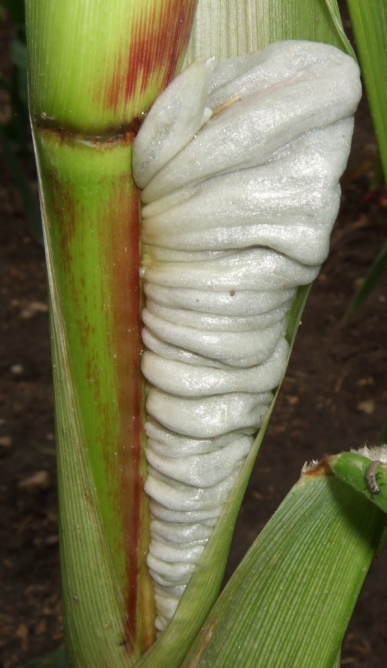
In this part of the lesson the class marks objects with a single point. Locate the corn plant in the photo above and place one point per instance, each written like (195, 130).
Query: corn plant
(94, 72)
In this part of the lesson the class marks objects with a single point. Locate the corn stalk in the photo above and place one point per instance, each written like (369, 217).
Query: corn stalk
(93, 72)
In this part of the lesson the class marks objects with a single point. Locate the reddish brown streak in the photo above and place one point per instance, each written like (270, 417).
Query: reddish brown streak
(157, 41)
(64, 209)
(123, 259)
(119, 243)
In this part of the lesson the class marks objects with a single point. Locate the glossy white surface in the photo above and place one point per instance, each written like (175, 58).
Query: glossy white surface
(238, 209)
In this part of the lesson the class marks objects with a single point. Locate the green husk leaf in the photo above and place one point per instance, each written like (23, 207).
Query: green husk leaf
(290, 600)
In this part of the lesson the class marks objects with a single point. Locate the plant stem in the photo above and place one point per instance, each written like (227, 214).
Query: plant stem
(94, 70)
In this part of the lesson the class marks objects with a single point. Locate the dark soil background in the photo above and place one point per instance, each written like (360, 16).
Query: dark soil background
(334, 398)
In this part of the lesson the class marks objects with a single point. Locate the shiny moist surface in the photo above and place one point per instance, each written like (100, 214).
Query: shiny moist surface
(239, 166)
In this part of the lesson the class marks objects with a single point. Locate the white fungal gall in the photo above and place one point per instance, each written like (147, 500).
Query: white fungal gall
(376, 452)
(186, 380)
(229, 302)
(176, 116)
(313, 88)
(238, 209)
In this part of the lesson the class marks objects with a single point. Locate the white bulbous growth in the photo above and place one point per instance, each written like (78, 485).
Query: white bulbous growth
(239, 166)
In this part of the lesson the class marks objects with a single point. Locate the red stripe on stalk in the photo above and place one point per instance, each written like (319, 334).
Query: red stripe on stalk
(157, 42)
(97, 273)
(123, 256)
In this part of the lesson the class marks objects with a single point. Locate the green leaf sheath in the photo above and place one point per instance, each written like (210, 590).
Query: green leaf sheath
(290, 600)
(247, 27)
(94, 69)
(93, 253)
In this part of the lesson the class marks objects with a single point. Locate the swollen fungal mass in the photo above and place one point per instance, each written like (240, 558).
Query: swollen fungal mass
(238, 164)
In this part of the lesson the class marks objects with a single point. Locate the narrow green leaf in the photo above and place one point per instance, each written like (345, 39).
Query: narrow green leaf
(370, 282)
(296, 312)
(290, 600)
(369, 24)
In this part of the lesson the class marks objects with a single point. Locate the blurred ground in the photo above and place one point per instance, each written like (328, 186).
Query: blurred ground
(334, 397)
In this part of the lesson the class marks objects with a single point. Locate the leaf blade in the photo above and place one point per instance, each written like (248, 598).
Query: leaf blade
(290, 599)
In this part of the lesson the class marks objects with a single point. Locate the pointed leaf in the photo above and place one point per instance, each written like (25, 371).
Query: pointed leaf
(289, 601)
(369, 24)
